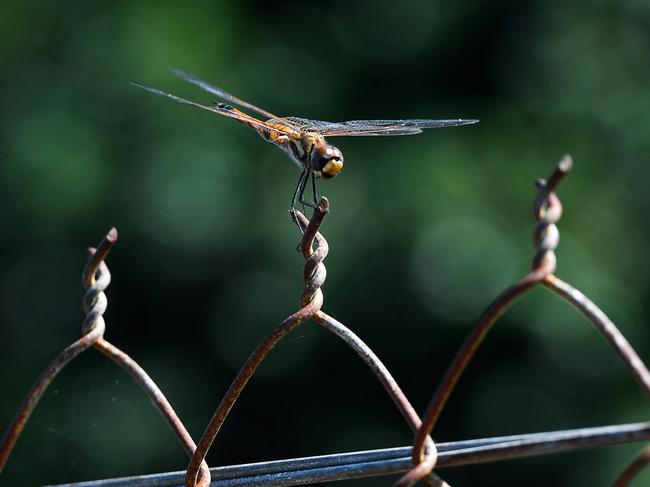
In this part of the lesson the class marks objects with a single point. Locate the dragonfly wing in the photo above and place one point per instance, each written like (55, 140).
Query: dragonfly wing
(215, 90)
(220, 109)
(374, 127)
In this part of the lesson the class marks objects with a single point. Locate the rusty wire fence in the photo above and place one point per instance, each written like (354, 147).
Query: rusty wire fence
(416, 462)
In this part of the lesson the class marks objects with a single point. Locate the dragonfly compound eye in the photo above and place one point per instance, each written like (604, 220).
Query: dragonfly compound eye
(328, 160)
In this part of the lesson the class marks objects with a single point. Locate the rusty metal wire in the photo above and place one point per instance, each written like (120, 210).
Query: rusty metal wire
(547, 211)
(544, 263)
(389, 383)
(418, 461)
(311, 301)
(606, 327)
(314, 275)
(390, 461)
(633, 469)
(96, 277)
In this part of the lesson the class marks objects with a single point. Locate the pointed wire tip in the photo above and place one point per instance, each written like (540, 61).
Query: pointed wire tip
(566, 163)
(111, 236)
(324, 203)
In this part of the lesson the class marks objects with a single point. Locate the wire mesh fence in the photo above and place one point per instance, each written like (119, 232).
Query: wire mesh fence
(416, 462)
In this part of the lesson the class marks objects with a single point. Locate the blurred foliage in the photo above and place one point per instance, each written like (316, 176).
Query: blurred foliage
(424, 231)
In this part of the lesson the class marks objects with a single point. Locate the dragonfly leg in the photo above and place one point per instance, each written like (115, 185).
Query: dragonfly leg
(313, 188)
(297, 191)
(298, 194)
(301, 193)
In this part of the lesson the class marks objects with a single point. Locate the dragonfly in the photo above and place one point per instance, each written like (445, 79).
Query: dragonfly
(301, 138)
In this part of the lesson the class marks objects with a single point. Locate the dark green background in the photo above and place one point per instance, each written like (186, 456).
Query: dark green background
(424, 231)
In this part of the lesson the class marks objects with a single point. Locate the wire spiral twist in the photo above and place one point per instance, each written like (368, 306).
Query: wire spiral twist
(314, 273)
(547, 210)
(96, 277)
(95, 301)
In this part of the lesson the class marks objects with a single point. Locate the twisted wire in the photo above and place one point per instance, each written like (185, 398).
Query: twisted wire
(95, 301)
(314, 272)
(311, 301)
(94, 277)
(547, 210)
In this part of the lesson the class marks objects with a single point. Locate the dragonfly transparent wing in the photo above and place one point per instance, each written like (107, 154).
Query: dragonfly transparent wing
(374, 127)
(215, 90)
(221, 109)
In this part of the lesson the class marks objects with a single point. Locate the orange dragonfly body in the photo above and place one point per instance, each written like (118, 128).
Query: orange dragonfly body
(303, 139)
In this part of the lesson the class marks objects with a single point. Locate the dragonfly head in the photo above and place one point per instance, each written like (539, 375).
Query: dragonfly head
(327, 160)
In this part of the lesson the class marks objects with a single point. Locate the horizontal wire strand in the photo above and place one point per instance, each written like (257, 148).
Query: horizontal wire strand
(372, 463)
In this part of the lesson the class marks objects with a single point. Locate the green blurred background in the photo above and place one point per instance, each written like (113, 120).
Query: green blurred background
(424, 231)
